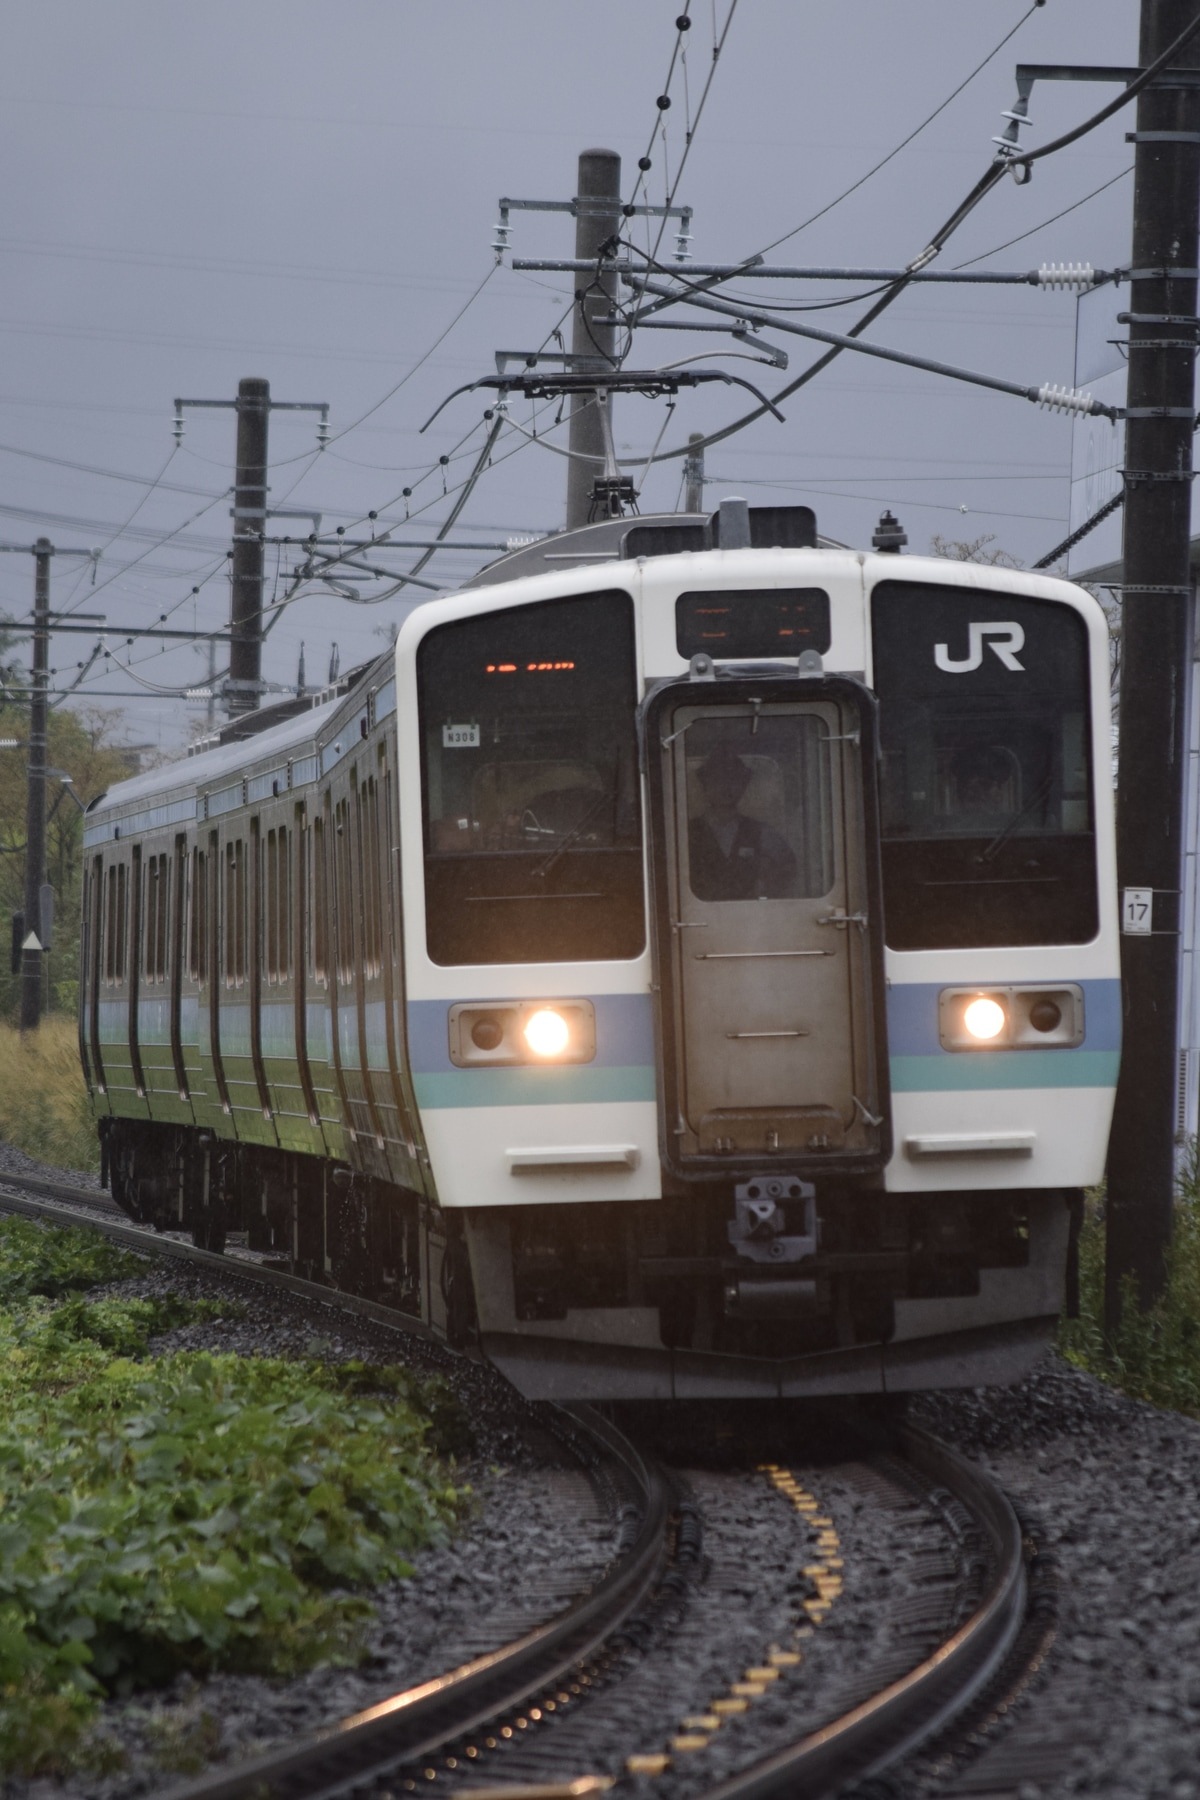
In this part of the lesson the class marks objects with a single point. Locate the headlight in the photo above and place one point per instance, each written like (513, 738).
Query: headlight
(505, 1033)
(984, 1018)
(547, 1032)
(1042, 1016)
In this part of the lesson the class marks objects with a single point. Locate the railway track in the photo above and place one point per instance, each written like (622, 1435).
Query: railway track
(461, 1729)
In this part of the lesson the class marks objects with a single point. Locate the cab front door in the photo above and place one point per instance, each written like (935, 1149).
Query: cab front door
(769, 933)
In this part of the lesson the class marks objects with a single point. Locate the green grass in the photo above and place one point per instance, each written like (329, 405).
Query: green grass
(43, 1099)
(181, 1512)
(1155, 1355)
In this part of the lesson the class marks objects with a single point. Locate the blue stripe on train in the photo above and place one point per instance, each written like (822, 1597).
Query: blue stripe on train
(624, 1034)
(919, 1064)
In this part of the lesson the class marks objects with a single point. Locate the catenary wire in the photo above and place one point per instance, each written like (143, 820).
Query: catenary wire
(1052, 220)
(906, 141)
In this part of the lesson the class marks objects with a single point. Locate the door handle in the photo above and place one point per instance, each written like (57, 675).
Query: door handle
(842, 919)
(767, 1034)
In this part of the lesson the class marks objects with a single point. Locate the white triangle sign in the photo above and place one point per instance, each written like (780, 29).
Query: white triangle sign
(31, 942)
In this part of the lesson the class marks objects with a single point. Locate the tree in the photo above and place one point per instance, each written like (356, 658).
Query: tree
(975, 550)
(85, 745)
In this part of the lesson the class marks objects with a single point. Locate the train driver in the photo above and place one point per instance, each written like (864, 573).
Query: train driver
(733, 856)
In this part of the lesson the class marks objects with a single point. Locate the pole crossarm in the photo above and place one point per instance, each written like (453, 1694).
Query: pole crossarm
(1048, 276)
(650, 383)
(1047, 395)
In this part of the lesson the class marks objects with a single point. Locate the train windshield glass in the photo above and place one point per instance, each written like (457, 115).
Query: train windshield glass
(533, 839)
(987, 805)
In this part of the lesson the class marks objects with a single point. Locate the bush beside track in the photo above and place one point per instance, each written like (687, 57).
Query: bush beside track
(1155, 1355)
(188, 1511)
(44, 1107)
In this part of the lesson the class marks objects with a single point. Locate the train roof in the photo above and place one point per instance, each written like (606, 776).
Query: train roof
(672, 540)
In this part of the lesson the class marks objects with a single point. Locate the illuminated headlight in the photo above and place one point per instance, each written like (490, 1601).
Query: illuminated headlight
(499, 1033)
(1040, 1016)
(984, 1018)
(547, 1032)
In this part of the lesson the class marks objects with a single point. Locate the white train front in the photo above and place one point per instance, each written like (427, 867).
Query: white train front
(689, 971)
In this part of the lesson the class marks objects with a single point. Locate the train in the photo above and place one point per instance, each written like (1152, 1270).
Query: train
(685, 965)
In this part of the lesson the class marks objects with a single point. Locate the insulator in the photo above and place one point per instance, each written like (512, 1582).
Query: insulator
(1078, 276)
(1063, 399)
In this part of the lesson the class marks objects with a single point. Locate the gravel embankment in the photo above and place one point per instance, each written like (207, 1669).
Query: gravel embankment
(1115, 1486)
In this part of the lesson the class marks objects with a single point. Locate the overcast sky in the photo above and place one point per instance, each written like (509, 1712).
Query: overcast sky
(307, 192)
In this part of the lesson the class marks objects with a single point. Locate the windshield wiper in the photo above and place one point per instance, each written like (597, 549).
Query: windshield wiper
(1035, 799)
(581, 824)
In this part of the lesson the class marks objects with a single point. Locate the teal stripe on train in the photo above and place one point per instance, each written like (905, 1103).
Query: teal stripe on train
(995, 1069)
(572, 1086)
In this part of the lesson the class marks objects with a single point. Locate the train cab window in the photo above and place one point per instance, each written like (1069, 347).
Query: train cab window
(985, 726)
(529, 762)
(760, 811)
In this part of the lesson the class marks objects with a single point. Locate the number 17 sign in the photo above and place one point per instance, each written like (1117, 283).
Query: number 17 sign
(1137, 908)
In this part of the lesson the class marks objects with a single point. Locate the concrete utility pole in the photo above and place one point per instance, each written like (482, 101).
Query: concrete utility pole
(35, 920)
(693, 474)
(35, 798)
(593, 346)
(1155, 654)
(249, 529)
(253, 407)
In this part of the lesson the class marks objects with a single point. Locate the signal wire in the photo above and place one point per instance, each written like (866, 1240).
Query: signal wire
(906, 141)
(992, 175)
(1052, 220)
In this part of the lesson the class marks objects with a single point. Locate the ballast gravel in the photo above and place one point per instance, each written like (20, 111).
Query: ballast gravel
(1111, 1485)
(1114, 1487)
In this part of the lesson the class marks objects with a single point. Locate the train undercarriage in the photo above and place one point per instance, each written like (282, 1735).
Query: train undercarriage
(775, 1286)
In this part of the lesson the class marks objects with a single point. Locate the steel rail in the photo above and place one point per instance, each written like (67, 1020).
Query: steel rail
(866, 1740)
(419, 1720)
(874, 1736)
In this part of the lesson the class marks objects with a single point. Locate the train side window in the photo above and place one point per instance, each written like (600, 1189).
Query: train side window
(122, 923)
(367, 810)
(283, 896)
(271, 853)
(234, 922)
(985, 729)
(149, 915)
(110, 927)
(198, 918)
(320, 908)
(344, 893)
(155, 928)
(278, 905)
(533, 832)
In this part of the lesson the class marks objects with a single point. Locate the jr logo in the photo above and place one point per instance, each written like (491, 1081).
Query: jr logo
(1009, 638)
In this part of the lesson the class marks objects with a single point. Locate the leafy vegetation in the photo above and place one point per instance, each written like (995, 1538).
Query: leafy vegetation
(83, 743)
(1155, 1355)
(43, 1100)
(188, 1511)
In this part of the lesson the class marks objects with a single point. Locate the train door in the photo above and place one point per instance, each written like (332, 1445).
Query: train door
(769, 927)
(177, 954)
(157, 1045)
(92, 946)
